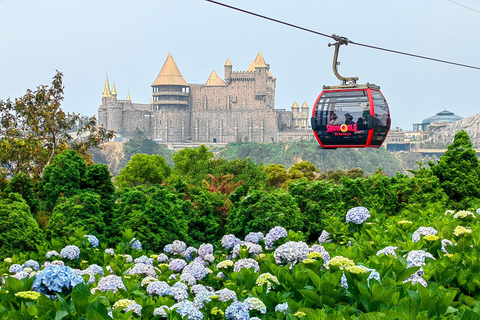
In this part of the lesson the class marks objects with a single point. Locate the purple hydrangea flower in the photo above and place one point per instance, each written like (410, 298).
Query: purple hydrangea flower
(254, 249)
(203, 298)
(144, 259)
(162, 258)
(159, 288)
(320, 249)
(177, 265)
(444, 245)
(197, 288)
(110, 283)
(188, 278)
(246, 264)
(161, 311)
(254, 237)
(178, 247)
(142, 268)
(196, 269)
(324, 237)
(273, 235)
(281, 307)
(204, 249)
(229, 241)
(226, 295)
(357, 215)
(95, 269)
(416, 258)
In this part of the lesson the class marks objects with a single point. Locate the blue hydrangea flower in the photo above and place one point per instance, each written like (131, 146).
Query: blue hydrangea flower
(188, 278)
(229, 241)
(93, 240)
(390, 250)
(166, 249)
(110, 251)
(423, 231)
(254, 237)
(187, 308)
(159, 288)
(204, 249)
(273, 235)
(189, 252)
(246, 264)
(255, 304)
(291, 252)
(226, 295)
(136, 244)
(70, 252)
(203, 298)
(142, 269)
(179, 294)
(320, 249)
(237, 311)
(343, 281)
(253, 248)
(56, 279)
(444, 245)
(31, 264)
(197, 288)
(137, 309)
(95, 269)
(324, 237)
(357, 215)
(14, 268)
(21, 275)
(281, 307)
(51, 253)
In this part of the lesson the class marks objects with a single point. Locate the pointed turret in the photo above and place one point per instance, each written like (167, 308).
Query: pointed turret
(106, 90)
(170, 75)
(259, 61)
(128, 96)
(295, 105)
(215, 81)
(228, 63)
(305, 106)
(114, 90)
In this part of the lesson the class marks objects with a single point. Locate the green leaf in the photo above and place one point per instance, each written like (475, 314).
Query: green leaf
(80, 296)
(61, 314)
(312, 296)
(409, 308)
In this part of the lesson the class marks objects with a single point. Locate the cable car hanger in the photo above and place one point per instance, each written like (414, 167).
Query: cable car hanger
(340, 41)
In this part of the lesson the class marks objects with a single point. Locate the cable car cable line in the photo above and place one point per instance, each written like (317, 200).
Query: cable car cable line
(336, 37)
(462, 5)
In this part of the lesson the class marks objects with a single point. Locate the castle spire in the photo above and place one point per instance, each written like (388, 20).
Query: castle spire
(106, 90)
(259, 61)
(170, 75)
(215, 81)
(114, 90)
(228, 63)
(128, 95)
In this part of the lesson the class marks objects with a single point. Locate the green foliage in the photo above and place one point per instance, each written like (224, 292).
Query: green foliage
(157, 215)
(140, 143)
(143, 169)
(25, 186)
(18, 229)
(261, 211)
(34, 129)
(64, 177)
(458, 170)
(79, 211)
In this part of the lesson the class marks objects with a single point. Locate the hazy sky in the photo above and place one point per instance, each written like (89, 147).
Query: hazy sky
(131, 40)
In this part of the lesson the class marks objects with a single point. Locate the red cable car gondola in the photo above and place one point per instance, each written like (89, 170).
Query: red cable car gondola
(351, 115)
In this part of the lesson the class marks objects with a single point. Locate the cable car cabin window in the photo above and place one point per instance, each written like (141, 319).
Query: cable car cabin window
(342, 117)
(382, 118)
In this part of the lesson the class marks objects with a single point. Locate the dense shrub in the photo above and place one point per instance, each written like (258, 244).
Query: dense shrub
(18, 229)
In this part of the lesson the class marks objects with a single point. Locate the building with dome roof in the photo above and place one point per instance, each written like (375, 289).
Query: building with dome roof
(443, 116)
(240, 107)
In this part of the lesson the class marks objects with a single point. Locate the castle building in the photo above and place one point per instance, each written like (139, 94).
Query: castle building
(240, 107)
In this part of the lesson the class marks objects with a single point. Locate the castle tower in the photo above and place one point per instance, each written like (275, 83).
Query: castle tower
(114, 90)
(305, 115)
(295, 115)
(106, 92)
(228, 71)
(171, 100)
(170, 89)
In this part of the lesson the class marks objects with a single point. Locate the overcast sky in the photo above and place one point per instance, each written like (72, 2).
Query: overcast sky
(131, 40)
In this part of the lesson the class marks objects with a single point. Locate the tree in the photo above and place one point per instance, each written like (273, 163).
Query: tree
(33, 129)
(458, 169)
(64, 177)
(81, 210)
(261, 211)
(19, 232)
(157, 215)
(192, 165)
(25, 186)
(143, 169)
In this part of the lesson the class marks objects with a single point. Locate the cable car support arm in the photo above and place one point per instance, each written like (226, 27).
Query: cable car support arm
(339, 41)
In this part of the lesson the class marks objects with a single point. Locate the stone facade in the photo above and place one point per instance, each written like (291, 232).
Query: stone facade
(239, 108)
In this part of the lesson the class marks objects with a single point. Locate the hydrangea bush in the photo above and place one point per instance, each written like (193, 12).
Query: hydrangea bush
(380, 266)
